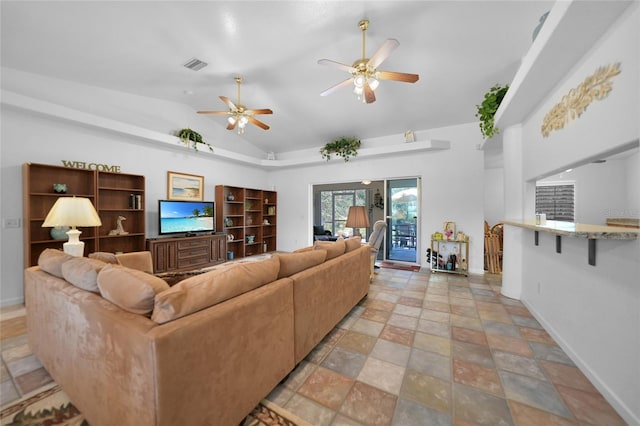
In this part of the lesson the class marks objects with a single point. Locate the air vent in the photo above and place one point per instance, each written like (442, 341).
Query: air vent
(195, 64)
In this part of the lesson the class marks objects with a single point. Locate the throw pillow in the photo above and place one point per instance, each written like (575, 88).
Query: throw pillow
(134, 291)
(105, 256)
(292, 263)
(352, 243)
(82, 272)
(51, 261)
(205, 290)
(334, 249)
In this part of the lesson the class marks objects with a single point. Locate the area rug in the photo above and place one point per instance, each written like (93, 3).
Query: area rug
(400, 266)
(52, 406)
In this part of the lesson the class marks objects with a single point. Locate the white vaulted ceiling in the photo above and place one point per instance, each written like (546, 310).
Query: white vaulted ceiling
(459, 49)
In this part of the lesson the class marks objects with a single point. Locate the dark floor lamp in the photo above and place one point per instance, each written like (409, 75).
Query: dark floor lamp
(357, 218)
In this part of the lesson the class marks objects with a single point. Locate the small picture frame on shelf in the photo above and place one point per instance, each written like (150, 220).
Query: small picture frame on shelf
(182, 186)
(449, 230)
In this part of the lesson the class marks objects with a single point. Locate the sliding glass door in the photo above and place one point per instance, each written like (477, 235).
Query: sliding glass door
(403, 204)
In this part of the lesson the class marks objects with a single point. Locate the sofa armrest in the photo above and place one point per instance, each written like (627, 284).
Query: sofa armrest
(140, 260)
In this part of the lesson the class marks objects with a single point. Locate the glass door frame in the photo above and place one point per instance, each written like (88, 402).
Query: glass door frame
(402, 243)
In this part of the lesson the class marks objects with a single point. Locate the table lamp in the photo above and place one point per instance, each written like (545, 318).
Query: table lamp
(72, 211)
(357, 218)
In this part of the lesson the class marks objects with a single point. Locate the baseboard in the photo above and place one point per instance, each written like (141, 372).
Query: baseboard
(11, 302)
(621, 408)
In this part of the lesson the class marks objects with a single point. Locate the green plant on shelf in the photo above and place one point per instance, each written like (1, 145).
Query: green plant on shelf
(343, 147)
(191, 139)
(487, 110)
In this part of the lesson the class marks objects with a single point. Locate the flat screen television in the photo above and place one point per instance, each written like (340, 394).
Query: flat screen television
(186, 217)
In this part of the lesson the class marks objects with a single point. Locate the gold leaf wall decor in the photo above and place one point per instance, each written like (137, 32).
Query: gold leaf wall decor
(595, 87)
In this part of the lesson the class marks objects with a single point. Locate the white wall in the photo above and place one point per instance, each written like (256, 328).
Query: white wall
(494, 195)
(452, 189)
(592, 311)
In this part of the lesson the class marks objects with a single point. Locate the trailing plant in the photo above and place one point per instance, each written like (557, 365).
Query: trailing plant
(191, 138)
(487, 109)
(343, 147)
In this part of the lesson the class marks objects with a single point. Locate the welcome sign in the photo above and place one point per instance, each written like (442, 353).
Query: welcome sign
(91, 166)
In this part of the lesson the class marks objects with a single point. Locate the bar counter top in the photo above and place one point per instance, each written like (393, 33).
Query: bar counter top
(578, 230)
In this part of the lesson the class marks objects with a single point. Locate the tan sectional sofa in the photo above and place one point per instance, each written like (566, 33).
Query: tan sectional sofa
(205, 351)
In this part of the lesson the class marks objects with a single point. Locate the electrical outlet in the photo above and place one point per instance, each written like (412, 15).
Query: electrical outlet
(11, 223)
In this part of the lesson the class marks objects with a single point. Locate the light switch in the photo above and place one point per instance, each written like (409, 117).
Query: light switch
(11, 223)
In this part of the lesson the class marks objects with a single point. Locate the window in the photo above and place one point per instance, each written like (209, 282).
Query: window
(334, 208)
(557, 201)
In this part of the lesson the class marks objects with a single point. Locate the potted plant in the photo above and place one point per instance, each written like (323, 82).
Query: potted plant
(192, 138)
(343, 147)
(487, 109)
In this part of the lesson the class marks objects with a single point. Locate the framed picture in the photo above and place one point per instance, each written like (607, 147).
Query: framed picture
(181, 186)
(449, 229)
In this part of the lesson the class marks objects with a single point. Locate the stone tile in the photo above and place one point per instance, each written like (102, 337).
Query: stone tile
(24, 365)
(376, 315)
(431, 343)
(529, 416)
(13, 327)
(357, 342)
(466, 322)
(299, 374)
(438, 291)
(518, 310)
(398, 335)
(310, 410)
(333, 336)
(319, 353)
(364, 326)
(509, 344)
(518, 364)
(432, 297)
(590, 408)
(280, 395)
(16, 352)
(345, 362)
(341, 420)
(394, 353)
(526, 322)
(4, 373)
(430, 363)
(477, 376)
(381, 305)
(460, 301)
(469, 336)
(32, 380)
(383, 375)
(410, 301)
(410, 413)
(409, 311)
(434, 327)
(436, 306)
(326, 387)
(403, 321)
(498, 316)
(473, 353)
(533, 392)
(488, 306)
(494, 327)
(466, 311)
(481, 290)
(369, 405)
(535, 335)
(550, 353)
(8, 392)
(567, 375)
(480, 408)
(435, 316)
(388, 297)
(427, 390)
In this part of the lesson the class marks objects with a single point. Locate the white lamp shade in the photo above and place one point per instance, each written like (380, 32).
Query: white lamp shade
(72, 211)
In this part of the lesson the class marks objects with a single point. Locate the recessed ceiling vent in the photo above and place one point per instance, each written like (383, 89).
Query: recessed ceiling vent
(195, 64)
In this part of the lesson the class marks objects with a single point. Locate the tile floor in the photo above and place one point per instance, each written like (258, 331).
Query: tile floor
(439, 349)
(421, 349)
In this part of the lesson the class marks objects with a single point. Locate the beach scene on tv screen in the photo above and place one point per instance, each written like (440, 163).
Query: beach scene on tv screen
(183, 217)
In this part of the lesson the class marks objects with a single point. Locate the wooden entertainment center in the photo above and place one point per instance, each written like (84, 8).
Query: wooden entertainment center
(187, 253)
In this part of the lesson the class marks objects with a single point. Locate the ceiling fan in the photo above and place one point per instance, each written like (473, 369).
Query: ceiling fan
(365, 76)
(238, 114)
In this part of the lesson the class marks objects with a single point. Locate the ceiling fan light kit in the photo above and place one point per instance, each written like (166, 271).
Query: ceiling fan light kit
(365, 76)
(238, 115)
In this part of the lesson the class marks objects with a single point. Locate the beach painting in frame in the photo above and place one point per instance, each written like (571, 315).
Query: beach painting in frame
(182, 186)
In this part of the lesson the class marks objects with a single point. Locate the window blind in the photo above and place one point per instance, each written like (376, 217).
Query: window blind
(556, 201)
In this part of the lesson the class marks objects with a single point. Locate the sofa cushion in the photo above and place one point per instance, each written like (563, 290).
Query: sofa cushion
(82, 272)
(104, 256)
(140, 260)
(132, 290)
(205, 290)
(352, 243)
(334, 248)
(292, 263)
(51, 261)
(303, 249)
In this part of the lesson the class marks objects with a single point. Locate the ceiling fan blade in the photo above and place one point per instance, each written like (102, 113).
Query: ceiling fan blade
(232, 126)
(259, 111)
(369, 96)
(383, 52)
(332, 89)
(347, 68)
(258, 123)
(214, 112)
(228, 102)
(397, 76)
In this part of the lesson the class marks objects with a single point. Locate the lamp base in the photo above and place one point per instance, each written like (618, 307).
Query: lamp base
(74, 246)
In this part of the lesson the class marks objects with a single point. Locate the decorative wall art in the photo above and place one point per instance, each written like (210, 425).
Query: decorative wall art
(595, 87)
(181, 186)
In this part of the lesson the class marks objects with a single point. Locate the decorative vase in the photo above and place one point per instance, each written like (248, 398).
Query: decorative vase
(60, 188)
(228, 222)
(59, 232)
(230, 197)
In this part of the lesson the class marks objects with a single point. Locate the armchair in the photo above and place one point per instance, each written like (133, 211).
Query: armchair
(375, 241)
